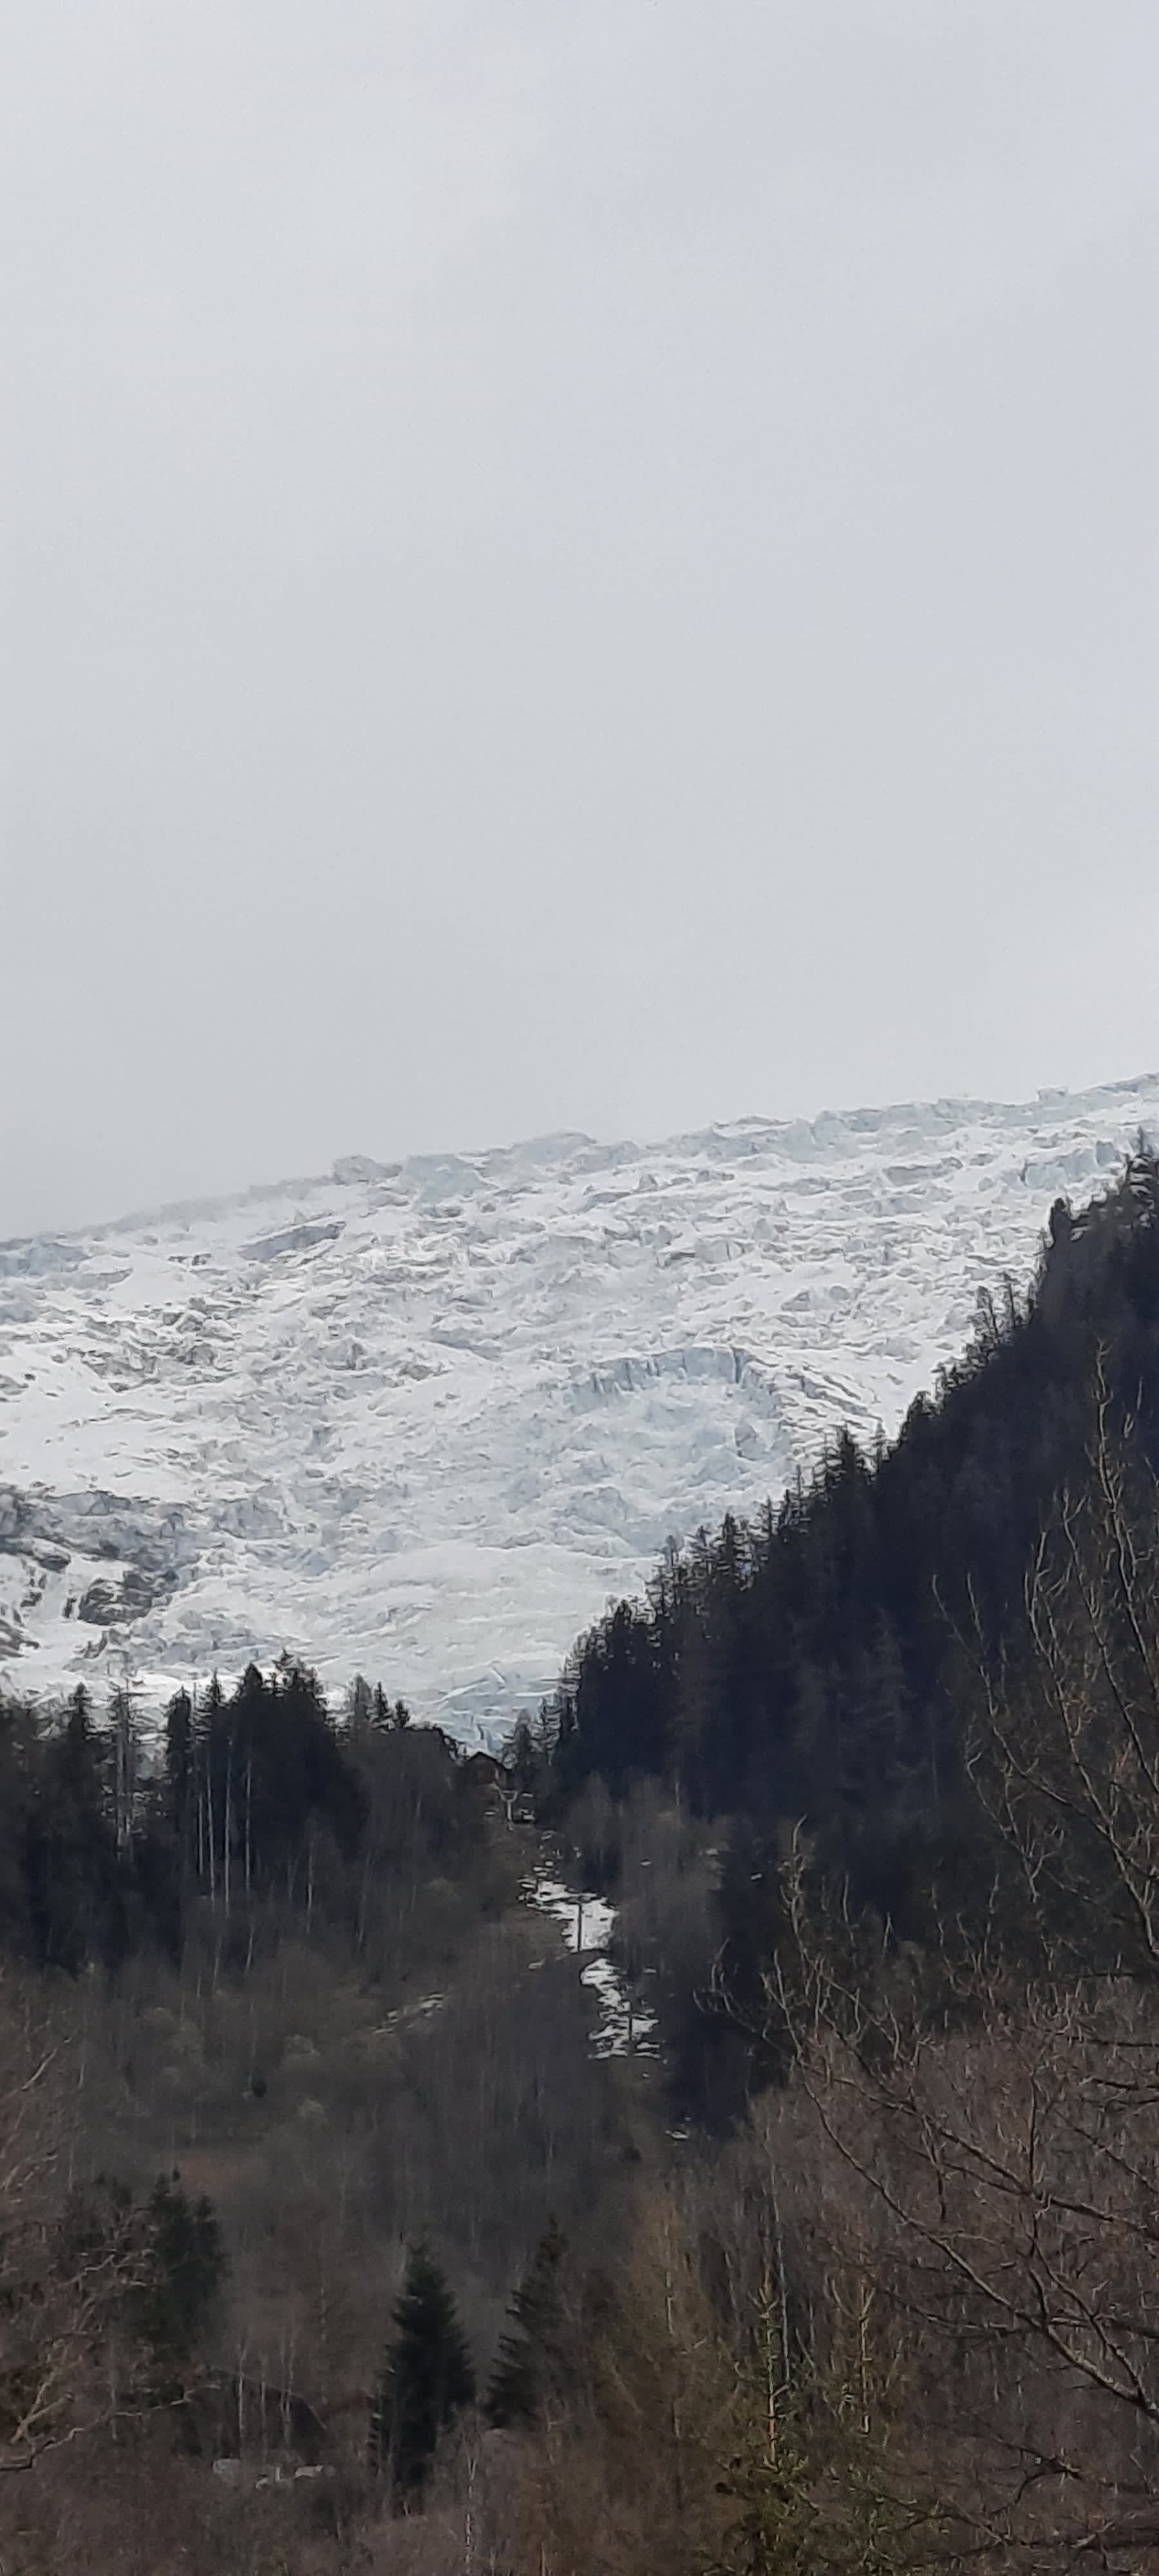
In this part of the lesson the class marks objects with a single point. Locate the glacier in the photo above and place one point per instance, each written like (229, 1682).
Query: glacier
(422, 1420)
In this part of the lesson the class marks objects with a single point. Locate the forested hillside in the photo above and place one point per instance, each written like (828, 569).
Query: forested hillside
(819, 1666)
(329, 2242)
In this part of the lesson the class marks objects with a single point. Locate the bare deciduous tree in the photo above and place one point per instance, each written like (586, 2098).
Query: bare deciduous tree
(65, 2273)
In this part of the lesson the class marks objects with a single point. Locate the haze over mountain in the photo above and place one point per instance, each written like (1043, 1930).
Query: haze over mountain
(422, 1420)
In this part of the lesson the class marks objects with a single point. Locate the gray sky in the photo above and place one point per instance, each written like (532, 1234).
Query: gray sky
(567, 562)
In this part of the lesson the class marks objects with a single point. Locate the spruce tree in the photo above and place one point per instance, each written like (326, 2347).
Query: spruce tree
(180, 1770)
(427, 2378)
(186, 2268)
(75, 1895)
(526, 2350)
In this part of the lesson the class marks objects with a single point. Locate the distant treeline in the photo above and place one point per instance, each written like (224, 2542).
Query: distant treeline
(259, 1797)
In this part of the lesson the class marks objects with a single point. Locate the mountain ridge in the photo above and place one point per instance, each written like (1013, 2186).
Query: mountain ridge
(952, 1107)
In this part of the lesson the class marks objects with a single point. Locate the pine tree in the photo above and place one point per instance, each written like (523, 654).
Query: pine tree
(124, 1757)
(186, 2270)
(427, 2378)
(359, 1703)
(517, 2387)
(179, 1769)
(75, 1896)
(209, 1725)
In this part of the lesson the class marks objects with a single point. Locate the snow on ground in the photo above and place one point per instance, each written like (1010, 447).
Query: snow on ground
(623, 2025)
(423, 1420)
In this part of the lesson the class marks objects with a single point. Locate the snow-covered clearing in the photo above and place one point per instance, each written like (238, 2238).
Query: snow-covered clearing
(624, 2026)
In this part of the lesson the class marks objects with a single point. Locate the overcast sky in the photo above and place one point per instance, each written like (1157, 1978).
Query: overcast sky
(567, 563)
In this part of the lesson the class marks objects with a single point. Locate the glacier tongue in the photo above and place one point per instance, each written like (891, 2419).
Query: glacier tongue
(422, 1419)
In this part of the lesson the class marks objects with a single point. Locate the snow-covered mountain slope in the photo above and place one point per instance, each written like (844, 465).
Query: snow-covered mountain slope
(422, 1420)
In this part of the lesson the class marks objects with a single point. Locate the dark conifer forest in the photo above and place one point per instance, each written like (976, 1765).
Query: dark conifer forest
(802, 1667)
(329, 2238)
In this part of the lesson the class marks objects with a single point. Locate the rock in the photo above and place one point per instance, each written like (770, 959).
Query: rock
(105, 1605)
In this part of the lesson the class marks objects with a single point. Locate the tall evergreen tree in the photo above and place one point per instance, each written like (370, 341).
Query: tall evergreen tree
(427, 2377)
(123, 1761)
(180, 1770)
(528, 2348)
(185, 2272)
(75, 1895)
